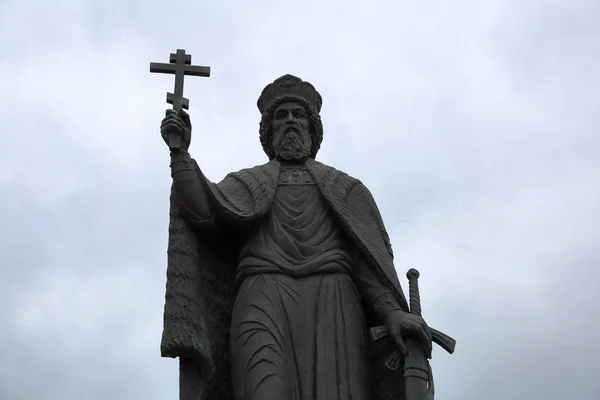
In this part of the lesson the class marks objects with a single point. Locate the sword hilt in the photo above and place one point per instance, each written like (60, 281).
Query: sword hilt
(413, 290)
(444, 341)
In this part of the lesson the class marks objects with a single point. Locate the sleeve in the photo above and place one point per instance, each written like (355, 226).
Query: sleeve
(193, 199)
(377, 296)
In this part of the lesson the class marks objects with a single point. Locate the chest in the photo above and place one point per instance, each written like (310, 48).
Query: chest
(295, 176)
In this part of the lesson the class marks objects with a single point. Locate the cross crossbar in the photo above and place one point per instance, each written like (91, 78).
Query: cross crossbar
(179, 65)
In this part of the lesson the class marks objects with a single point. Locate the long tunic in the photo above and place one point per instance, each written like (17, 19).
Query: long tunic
(298, 327)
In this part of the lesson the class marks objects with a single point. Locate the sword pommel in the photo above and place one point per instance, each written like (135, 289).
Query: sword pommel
(412, 274)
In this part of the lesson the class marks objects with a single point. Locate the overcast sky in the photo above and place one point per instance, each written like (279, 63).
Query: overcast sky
(475, 124)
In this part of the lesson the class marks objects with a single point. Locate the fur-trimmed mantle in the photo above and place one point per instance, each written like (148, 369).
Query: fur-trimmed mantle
(200, 271)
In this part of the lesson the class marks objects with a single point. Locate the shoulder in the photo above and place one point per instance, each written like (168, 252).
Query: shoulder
(269, 168)
(329, 173)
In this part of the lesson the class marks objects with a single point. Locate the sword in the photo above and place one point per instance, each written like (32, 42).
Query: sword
(417, 371)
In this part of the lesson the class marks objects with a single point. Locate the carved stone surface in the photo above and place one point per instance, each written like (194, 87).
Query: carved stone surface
(280, 278)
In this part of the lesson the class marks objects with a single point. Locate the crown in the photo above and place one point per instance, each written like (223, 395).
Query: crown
(289, 85)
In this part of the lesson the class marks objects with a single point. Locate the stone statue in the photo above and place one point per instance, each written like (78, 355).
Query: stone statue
(276, 273)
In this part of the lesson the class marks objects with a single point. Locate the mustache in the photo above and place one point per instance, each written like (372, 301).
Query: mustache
(290, 125)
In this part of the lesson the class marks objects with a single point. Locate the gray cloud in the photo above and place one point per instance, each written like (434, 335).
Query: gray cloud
(476, 125)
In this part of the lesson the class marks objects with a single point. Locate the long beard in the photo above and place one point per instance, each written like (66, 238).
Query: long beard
(292, 145)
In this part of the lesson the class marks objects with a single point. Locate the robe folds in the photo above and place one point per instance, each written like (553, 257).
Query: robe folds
(201, 287)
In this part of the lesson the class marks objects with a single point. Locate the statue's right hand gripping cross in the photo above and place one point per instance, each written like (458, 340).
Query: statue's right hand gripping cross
(180, 65)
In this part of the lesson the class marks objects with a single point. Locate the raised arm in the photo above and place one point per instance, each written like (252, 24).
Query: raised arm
(194, 201)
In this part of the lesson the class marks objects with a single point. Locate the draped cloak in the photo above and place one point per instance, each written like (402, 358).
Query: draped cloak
(201, 266)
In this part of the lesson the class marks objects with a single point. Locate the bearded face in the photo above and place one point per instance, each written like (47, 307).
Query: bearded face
(291, 132)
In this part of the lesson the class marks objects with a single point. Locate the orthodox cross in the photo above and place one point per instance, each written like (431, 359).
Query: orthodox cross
(180, 65)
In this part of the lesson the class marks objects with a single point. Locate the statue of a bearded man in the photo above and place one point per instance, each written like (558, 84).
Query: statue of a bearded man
(276, 273)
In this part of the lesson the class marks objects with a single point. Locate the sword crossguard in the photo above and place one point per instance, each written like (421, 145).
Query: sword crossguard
(441, 339)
